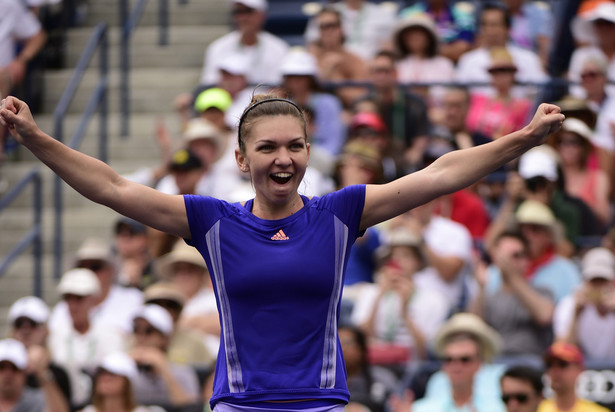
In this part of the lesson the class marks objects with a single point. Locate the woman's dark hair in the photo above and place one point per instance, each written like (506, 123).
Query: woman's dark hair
(432, 47)
(527, 374)
(264, 105)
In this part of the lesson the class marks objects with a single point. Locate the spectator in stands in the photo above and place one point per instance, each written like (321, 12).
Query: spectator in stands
(369, 385)
(28, 319)
(300, 71)
(494, 28)
(396, 310)
(565, 363)
(404, 113)
(454, 24)
(19, 27)
(448, 248)
(79, 345)
(586, 317)
(367, 26)
(522, 389)
(416, 42)
(263, 50)
(159, 381)
(521, 313)
(113, 305)
(131, 247)
(113, 390)
(186, 346)
(368, 128)
(532, 27)
(360, 163)
(466, 382)
(498, 115)
(14, 394)
(598, 26)
(335, 62)
(186, 269)
(590, 184)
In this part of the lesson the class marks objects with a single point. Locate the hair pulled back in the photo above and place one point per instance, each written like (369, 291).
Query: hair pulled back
(266, 105)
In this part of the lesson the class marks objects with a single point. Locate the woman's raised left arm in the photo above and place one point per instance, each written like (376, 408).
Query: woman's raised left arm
(457, 169)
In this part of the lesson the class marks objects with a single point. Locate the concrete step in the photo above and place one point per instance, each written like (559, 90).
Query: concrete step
(186, 46)
(151, 90)
(200, 12)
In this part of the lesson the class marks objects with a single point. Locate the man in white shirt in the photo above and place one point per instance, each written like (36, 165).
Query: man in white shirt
(494, 27)
(263, 50)
(587, 316)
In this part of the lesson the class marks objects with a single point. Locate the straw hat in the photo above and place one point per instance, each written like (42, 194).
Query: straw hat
(181, 253)
(462, 323)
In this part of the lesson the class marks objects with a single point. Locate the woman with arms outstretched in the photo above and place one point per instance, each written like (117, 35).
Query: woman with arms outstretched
(277, 261)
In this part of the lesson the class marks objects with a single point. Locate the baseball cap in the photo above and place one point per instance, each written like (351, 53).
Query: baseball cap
(131, 224)
(260, 5)
(299, 62)
(582, 25)
(94, 249)
(234, 63)
(119, 363)
(564, 351)
(164, 290)
(199, 128)
(13, 351)
(578, 127)
(213, 97)
(538, 162)
(80, 282)
(30, 307)
(184, 160)
(534, 212)
(598, 262)
(156, 316)
(368, 119)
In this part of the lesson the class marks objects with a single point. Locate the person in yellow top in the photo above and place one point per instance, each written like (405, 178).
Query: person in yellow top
(564, 362)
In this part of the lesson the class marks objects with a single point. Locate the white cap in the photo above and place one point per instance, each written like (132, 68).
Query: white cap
(30, 307)
(538, 162)
(80, 282)
(156, 316)
(577, 126)
(582, 26)
(598, 262)
(94, 249)
(14, 351)
(299, 62)
(234, 63)
(260, 5)
(202, 129)
(119, 363)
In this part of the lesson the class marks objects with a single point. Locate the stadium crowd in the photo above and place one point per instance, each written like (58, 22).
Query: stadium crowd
(493, 298)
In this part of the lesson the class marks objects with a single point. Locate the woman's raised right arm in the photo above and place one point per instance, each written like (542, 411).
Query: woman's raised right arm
(95, 179)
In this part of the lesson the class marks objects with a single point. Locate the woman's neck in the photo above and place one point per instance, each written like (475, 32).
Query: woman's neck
(113, 404)
(270, 211)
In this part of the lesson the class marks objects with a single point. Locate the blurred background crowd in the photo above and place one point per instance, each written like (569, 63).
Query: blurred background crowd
(497, 297)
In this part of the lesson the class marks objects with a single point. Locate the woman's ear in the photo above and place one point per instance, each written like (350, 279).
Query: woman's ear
(241, 160)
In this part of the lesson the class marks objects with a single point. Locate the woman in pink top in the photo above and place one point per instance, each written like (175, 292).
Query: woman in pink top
(498, 115)
(590, 184)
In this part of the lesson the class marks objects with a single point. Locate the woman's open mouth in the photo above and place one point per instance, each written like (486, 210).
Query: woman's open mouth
(281, 178)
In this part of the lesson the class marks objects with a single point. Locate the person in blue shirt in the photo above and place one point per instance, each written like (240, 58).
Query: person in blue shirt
(277, 261)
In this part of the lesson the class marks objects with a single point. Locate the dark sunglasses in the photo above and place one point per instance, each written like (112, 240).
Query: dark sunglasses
(243, 11)
(461, 359)
(94, 266)
(149, 330)
(519, 397)
(167, 304)
(328, 26)
(21, 322)
(502, 70)
(557, 363)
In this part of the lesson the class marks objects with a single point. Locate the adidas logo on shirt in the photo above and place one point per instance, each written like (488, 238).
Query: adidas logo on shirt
(280, 236)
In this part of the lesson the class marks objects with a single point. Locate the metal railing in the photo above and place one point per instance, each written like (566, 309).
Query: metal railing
(128, 23)
(97, 42)
(34, 235)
